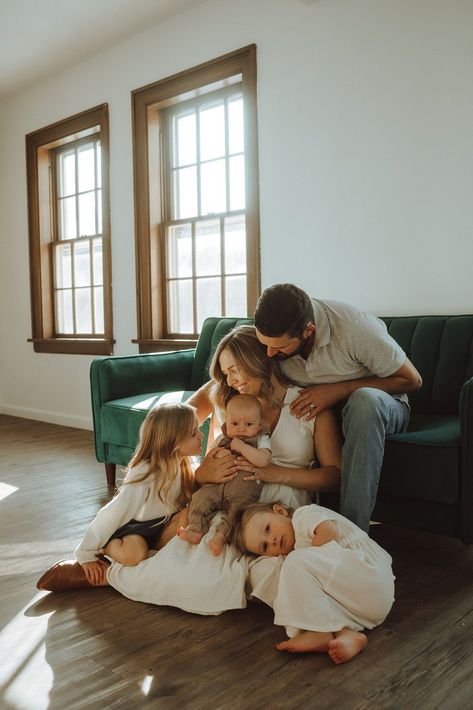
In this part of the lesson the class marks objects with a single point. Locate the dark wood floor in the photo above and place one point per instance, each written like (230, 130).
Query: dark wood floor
(97, 649)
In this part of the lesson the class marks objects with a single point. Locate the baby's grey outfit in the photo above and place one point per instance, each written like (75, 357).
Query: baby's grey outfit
(226, 497)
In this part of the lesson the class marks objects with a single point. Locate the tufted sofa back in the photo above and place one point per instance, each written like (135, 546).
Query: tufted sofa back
(441, 348)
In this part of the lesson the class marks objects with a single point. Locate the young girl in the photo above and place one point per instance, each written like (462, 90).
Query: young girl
(158, 484)
(334, 582)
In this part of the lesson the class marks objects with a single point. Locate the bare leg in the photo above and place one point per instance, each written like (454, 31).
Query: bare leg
(178, 519)
(346, 645)
(217, 543)
(130, 550)
(191, 536)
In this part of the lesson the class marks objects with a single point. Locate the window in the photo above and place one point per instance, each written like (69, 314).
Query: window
(68, 205)
(196, 192)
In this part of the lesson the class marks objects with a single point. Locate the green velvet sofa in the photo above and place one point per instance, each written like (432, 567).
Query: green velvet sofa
(427, 476)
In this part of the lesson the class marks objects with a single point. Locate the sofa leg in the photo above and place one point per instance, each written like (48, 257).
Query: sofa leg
(110, 469)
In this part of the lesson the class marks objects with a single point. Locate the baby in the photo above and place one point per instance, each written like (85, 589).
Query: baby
(242, 434)
(338, 578)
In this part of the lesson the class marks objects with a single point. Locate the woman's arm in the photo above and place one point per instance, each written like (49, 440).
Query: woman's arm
(328, 450)
(202, 402)
(325, 532)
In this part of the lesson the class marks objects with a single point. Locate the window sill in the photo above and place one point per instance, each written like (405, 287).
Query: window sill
(164, 345)
(73, 346)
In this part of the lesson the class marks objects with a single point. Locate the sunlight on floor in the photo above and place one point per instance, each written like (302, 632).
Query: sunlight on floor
(24, 557)
(6, 490)
(146, 684)
(26, 678)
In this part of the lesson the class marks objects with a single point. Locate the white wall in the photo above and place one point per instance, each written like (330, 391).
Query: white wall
(366, 155)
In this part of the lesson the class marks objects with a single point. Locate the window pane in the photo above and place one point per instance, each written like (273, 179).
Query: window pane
(235, 125)
(99, 212)
(235, 296)
(180, 307)
(64, 319)
(82, 263)
(86, 167)
(67, 218)
(87, 214)
(179, 251)
(62, 259)
(235, 245)
(212, 131)
(207, 248)
(98, 261)
(98, 310)
(213, 187)
(208, 300)
(185, 193)
(184, 141)
(98, 153)
(237, 183)
(83, 310)
(67, 173)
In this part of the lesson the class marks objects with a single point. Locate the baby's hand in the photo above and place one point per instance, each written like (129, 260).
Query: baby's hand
(236, 444)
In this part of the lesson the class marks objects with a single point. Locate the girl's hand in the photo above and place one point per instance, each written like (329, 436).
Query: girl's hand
(96, 572)
(217, 467)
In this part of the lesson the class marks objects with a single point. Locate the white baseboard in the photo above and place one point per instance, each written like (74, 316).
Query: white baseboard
(42, 415)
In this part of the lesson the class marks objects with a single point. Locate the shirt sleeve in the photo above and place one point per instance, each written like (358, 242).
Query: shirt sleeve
(119, 511)
(264, 442)
(305, 520)
(373, 347)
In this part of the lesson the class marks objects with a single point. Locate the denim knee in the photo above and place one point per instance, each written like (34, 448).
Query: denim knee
(365, 407)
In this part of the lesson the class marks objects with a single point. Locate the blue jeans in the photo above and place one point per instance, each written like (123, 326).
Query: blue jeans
(368, 416)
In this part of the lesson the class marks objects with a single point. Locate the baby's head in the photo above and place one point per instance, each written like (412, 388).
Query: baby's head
(265, 529)
(243, 416)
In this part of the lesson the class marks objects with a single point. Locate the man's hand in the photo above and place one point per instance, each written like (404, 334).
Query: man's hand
(313, 400)
(96, 572)
(217, 467)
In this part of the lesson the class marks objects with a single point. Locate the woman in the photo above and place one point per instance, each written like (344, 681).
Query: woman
(185, 575)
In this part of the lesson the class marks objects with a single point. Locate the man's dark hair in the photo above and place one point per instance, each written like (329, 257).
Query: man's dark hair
(283, 309)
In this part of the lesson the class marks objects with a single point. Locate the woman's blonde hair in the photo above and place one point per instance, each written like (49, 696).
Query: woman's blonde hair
(161, 435)
(244, 516)
(251, 358)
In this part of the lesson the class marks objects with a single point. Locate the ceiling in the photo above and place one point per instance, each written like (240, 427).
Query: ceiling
(40, 37)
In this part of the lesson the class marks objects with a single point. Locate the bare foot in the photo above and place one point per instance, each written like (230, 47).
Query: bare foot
(306, 642)
(217, 543)
(190, 535)
(346, 645)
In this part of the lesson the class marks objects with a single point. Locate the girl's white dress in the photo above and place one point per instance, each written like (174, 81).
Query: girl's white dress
(138, 501)
(344, 583)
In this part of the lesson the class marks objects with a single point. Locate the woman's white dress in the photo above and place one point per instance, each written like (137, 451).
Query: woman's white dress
(189, 576)
(344, 583)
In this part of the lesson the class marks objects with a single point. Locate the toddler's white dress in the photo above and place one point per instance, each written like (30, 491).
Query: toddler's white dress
(348, 583)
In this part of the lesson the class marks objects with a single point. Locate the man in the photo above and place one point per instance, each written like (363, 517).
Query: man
(344, 357)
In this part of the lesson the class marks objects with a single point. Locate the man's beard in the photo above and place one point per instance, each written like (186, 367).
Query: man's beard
(287, 356)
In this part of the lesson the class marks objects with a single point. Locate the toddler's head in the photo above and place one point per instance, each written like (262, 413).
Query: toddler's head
(265, 529)
(243, 416)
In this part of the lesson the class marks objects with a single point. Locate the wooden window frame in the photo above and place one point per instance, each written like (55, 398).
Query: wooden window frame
(148, 186)
(40, 152)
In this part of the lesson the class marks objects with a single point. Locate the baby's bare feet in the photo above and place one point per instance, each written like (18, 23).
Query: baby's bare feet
(190, 535)
(346, 645)
(306, 642)
(217, 543)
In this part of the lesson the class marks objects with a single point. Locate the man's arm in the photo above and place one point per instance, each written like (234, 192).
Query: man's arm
(316, 399)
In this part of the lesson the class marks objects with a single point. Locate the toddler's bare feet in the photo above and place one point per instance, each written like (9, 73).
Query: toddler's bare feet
(346, 645)
(217, 543)
(306, 642)
(190, 535)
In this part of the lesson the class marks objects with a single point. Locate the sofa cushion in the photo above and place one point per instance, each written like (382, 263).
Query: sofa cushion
(121, 419)
(423, 462)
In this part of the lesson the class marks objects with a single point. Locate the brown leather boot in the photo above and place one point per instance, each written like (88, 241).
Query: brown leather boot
(64, 575)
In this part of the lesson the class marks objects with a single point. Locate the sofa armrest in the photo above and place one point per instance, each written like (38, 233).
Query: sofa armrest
(123, 376)
(466, 481)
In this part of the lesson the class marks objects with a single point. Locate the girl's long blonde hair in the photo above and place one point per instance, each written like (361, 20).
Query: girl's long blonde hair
(161, 435)
(251, 358)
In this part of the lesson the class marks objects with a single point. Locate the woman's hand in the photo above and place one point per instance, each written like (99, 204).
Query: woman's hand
(261, 475)
(217, 467)
(96, 572)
